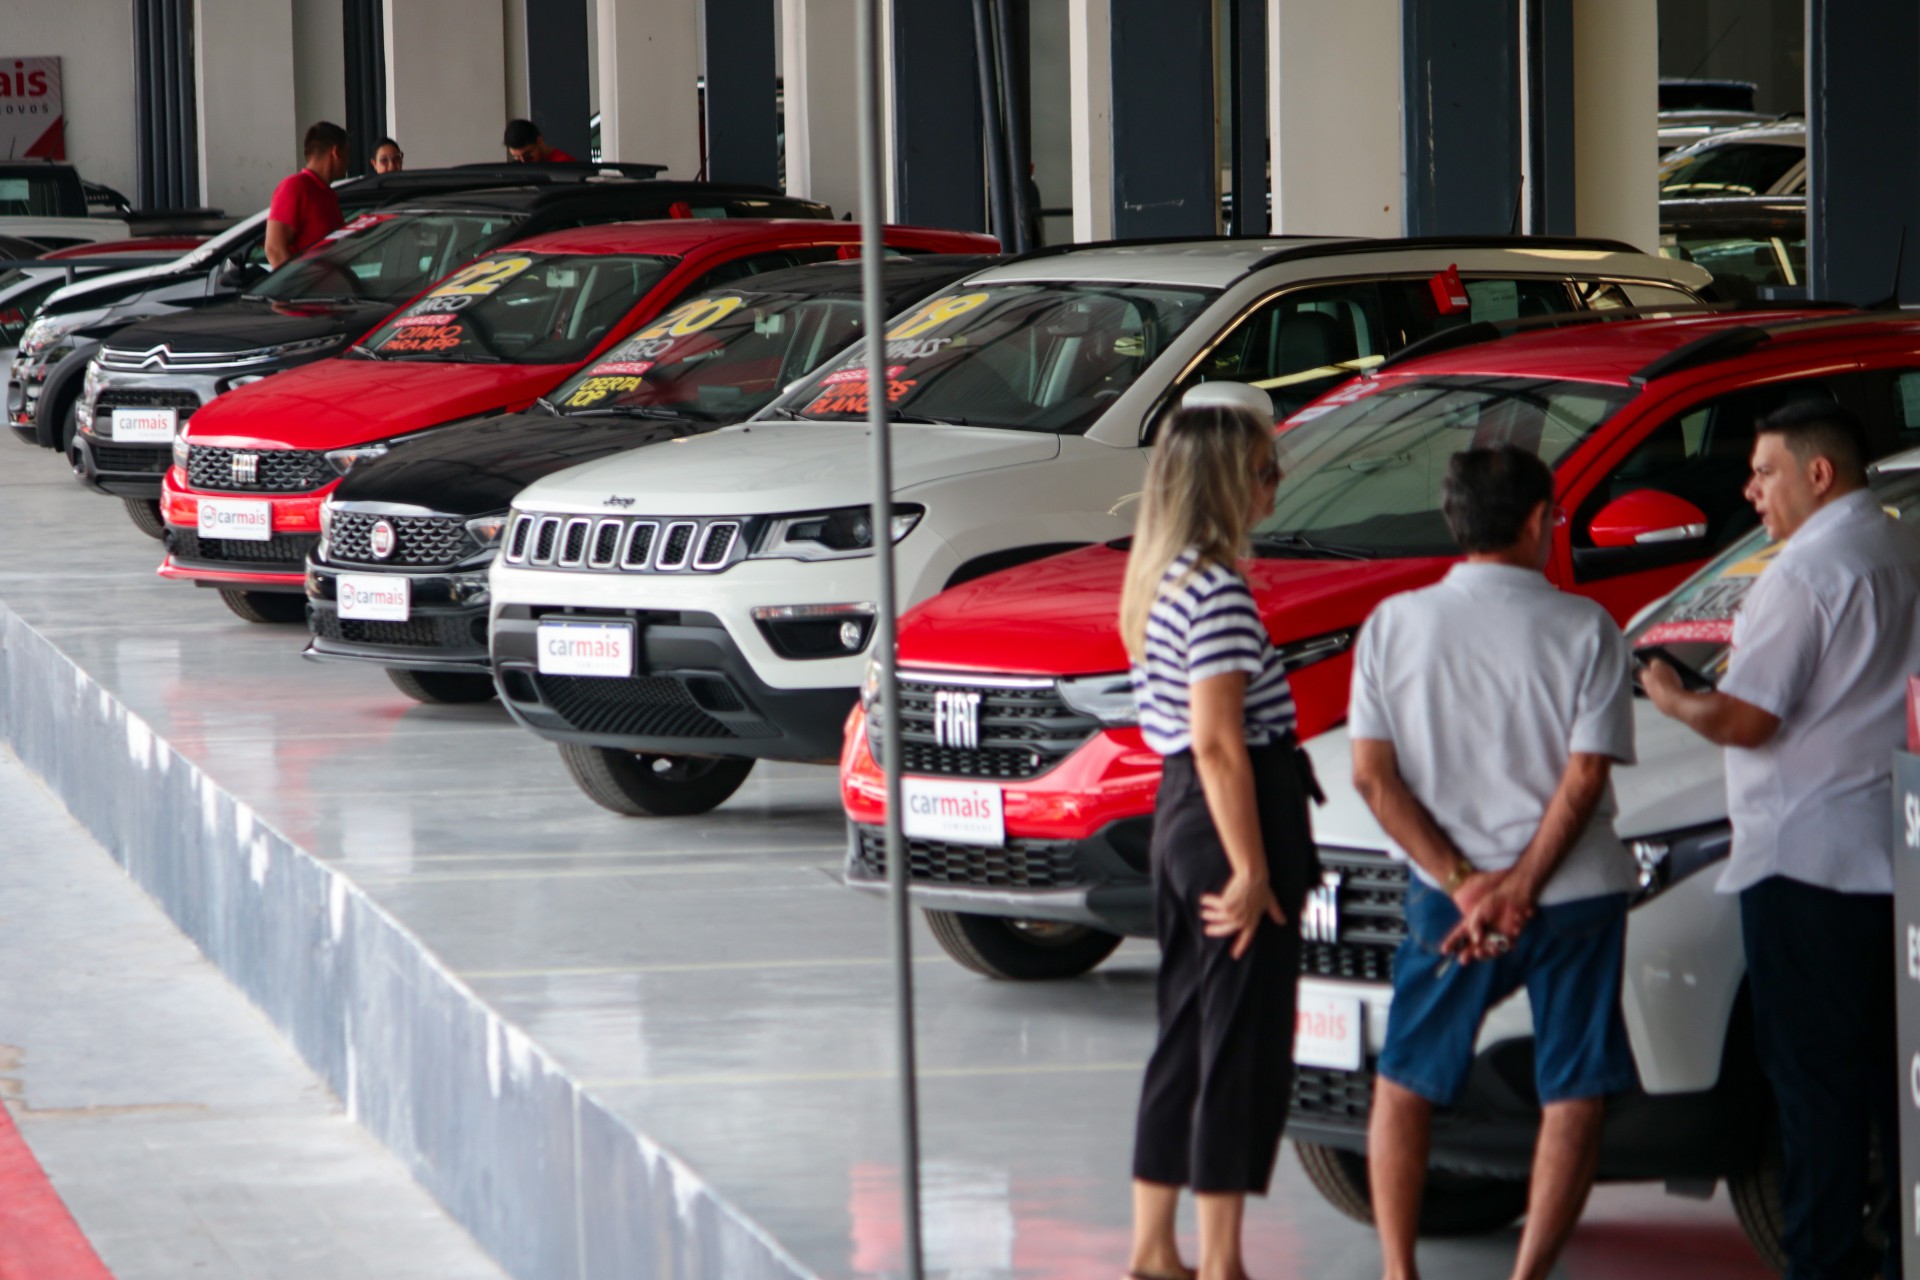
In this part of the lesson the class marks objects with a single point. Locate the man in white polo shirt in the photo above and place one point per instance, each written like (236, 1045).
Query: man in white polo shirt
(1487, 713)
(1810, 710)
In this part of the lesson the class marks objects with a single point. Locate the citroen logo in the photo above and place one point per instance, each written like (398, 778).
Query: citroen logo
(245, 467)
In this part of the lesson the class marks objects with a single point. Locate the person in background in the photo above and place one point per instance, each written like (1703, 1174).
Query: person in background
(1487, 713)
(304, 210)
(387, 156)
(1232, 851)
(1810, 711)
(526, 146)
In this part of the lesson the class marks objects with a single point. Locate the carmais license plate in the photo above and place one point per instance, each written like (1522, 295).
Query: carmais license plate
(585, 648)
(1329, 1031)
(144, 426)
(962, 812)
(373, 597)
(236, 519)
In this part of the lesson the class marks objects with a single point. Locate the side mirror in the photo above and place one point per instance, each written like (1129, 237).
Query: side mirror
(1647, 517)
(234, 274)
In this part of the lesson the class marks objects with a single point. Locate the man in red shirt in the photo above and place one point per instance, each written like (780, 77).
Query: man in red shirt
(304, 210)
(526, 146)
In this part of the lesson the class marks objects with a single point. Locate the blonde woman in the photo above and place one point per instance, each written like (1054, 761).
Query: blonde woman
(1232, 848)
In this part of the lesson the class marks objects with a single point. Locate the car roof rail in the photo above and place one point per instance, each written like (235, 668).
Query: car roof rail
(1722, 344)
(1365, 244)
(625, 168)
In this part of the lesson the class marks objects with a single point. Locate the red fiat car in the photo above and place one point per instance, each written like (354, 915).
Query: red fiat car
(1028, 790)
(242, 499)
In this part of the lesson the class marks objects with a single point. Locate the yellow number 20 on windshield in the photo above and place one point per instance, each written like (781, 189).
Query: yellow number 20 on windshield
(482, 277)
(701, 313)
(936, 313)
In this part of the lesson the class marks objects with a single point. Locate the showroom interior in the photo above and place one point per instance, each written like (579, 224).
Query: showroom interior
(454, 820)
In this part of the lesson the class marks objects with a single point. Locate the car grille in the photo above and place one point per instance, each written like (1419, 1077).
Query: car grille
(147, 459)
(147, 398)
(1025, 730)
(1331, 1094)
(438, 632)
(1022, 864)
(281, 548)
(276, 471)
(418, 540)
(627, 544)
(1373, 890)
(636, 706)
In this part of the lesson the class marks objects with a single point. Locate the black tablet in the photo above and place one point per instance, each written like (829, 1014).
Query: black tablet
(1690, 680)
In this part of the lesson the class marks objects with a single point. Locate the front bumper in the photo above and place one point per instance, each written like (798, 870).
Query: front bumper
(693, 691)
(128, 469)
(446, 627)
(277, 564)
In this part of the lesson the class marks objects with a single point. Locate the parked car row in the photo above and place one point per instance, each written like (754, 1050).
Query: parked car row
(616, 474)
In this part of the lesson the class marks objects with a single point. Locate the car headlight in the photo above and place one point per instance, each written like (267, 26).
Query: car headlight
(46, 332)
(345, 460)
(870, 685)
(830, 535)
(90, 384)
(487, 530)
(181, 451)
(1665, 860)
(1107, 698)
(802, 631)
(1304, 653)
(246, 380)
(326, 518)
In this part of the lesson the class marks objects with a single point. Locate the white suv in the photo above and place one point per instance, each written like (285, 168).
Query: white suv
(670, 615)
(1702, 1111)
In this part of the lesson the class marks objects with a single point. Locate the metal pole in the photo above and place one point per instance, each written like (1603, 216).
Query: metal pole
(1013, 120)
(873, 296)
(999, 192)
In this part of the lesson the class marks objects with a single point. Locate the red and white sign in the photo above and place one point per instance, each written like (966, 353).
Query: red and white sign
(585, 648)
(145, 426)
(32, 120)
(240, 520)
(1329, 1031)
(963, 812)
(1449, 292)
(373, 597)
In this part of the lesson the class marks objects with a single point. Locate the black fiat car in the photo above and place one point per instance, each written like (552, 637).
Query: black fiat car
(400, 576)
(150, 377)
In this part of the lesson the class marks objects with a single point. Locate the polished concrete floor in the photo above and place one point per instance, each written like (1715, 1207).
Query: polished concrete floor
(708, 979)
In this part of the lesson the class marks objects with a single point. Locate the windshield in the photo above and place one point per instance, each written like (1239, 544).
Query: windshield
(384, 256)
(1741, 261)
(1695, 622)
(1730, 169)
(30, 195)
(720, 358)
(1363, 478)
(520, 308)
(1028, 357)
(17, 310)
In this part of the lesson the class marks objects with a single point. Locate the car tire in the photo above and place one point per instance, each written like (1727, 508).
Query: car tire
(1020, 950)
(1757, 1201)
(145, 514)
(1455, 1204)
(653, 786)
(442, 686)
(265, 606)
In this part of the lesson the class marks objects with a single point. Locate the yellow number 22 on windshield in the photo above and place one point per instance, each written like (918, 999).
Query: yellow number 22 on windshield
(482, 277)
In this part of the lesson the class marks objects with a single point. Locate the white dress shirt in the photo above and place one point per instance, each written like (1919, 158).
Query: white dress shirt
(1825, 640)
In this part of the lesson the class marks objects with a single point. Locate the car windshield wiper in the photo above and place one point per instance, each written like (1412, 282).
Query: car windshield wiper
(1295, 541)
(788, 415)
(632, 411)
(361, 350)
(927, 419)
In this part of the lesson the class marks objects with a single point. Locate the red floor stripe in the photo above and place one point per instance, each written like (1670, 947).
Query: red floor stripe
(39, 1240)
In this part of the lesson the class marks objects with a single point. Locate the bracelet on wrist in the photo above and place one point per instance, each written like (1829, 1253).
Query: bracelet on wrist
(1462, 872)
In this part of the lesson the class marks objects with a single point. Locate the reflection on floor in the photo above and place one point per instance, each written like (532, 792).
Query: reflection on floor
(706, 978)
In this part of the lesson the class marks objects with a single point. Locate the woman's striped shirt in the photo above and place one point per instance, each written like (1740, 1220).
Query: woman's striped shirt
(1203, 624)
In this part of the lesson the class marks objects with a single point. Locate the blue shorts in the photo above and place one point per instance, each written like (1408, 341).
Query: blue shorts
(1569, 958)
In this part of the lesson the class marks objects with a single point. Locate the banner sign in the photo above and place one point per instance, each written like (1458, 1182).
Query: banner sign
(32, 124)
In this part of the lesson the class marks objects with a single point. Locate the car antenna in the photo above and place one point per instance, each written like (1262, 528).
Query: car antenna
(1892, 301)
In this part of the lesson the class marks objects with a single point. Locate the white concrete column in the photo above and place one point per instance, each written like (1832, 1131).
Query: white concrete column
(319, 63)
(1090, 82)
(1333, 94)
(1616, 58)
(650, 62)
(243, 69)
(819, 71)
(446, 80)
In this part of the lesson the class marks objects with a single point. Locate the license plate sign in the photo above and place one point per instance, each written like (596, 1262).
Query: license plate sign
(373, 597)
(585, 648)
(1329, 1032)
(236, 520)
(963, 812)
(145, 426)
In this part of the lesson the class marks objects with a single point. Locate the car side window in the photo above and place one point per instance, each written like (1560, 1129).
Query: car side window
(1301, 343)
(1701, 454)
(739, 269)
(1906, 404)
(1658, 295)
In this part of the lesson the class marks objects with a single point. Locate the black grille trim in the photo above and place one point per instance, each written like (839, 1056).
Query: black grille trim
(419, 541)
(1373, 893)
(628, 544)
(281, 549)
(633, 707)
(1329, 1094)
(146, 459)
(278, 470)
(426, 633)
(1025, 730)
(1021, 864)
(147, 398)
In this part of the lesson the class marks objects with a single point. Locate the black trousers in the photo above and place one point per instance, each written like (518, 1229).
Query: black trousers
(1220, 1080)
(1821, 967)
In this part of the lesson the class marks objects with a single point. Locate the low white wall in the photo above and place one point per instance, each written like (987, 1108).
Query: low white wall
(1616, 51)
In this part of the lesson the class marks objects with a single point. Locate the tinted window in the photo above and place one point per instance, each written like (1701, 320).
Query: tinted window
(1730, 169)
(720, 358)
(1028, 357)
(1365, 476)
(30, 196)
(385, 256)
(1301, 344)
(521, 309)
(1741, 262)
(17, 309)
